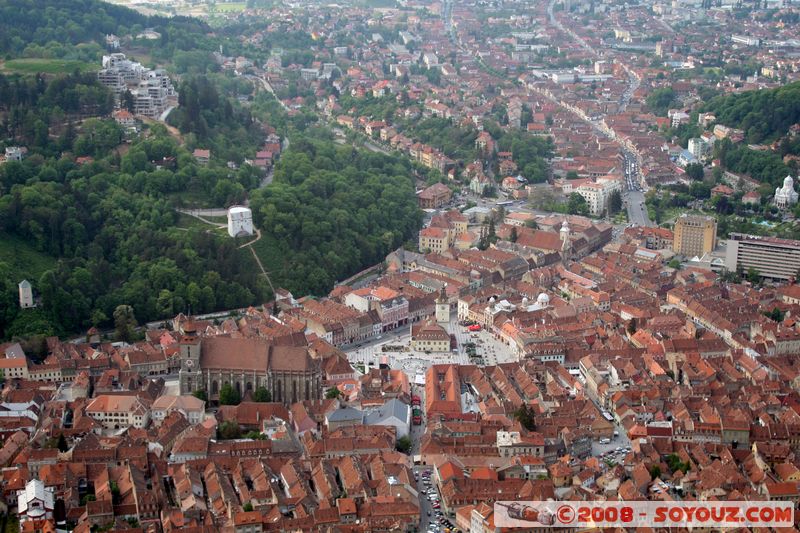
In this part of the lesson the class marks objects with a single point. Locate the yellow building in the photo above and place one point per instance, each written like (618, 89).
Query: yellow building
(434, 240)
(694, 235)
(443, 232)
(429, 336)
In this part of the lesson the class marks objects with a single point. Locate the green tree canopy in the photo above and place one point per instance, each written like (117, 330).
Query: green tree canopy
(229, 395)
(229, 430)
(762, 114)
(262, 395)
(694, 171)
(403, 444)
(124, 322)
(661, 100)
(332, 393)
(576, 205)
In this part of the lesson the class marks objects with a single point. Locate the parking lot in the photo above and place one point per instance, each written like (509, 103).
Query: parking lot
(432, 518)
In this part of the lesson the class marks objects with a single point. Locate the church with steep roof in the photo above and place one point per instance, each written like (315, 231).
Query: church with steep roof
(288, 372)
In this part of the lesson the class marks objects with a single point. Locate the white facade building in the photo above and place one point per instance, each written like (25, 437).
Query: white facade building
(193, 409)
(35, 502)
(786, 196)
(598, 193)
(443, 309)
(15, 153)
(152, 90)
(593, 194)
(118, 411)
(698, 147)
(240, 221)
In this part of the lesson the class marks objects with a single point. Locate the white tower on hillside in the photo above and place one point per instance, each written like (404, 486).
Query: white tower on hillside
(240, 221)
(25, 294)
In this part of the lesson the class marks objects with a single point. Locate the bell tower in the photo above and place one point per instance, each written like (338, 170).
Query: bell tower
(190, 375)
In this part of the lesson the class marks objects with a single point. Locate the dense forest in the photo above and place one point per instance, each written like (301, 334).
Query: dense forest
(661, 100)
(215, 120)
(109, 222)
(763, 115)
(334, 210)
(29, 107)
(93, 205)
(53, 27)
(764, 165)
(112, 227)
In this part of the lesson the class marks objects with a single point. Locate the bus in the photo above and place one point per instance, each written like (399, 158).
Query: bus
(505, 203)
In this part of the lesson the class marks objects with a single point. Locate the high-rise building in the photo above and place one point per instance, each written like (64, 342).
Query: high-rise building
(694, 235)
(771, 257)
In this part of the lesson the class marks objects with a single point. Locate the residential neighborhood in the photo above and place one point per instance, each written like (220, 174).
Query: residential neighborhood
(582, 285)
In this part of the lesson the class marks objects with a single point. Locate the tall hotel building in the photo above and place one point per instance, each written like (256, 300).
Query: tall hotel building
(773, 258)
(694, 235)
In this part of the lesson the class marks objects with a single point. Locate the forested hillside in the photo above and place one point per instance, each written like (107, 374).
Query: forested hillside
(214, 120)
(50, 28)
(30, 106)
(112, 226)
(763, 115)
(332, 211)
(764, 165)
(89, 215)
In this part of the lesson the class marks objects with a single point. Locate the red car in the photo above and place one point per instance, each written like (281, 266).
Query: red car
(476, 327)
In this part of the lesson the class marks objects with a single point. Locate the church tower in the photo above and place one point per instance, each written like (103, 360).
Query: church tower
(190, 375)
(443, 309)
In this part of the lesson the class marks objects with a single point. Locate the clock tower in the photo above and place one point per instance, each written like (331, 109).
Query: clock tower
(443, 309)
(190, 374)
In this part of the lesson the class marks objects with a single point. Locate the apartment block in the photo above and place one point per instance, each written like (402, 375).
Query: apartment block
(771, 257)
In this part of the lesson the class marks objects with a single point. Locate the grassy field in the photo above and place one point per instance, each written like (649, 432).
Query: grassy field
(25, 261)
(227, 7)
(47, 66)
(188, 222)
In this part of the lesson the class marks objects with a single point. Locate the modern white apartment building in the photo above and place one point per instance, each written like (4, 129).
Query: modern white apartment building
(772, 257)
(152, 90)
